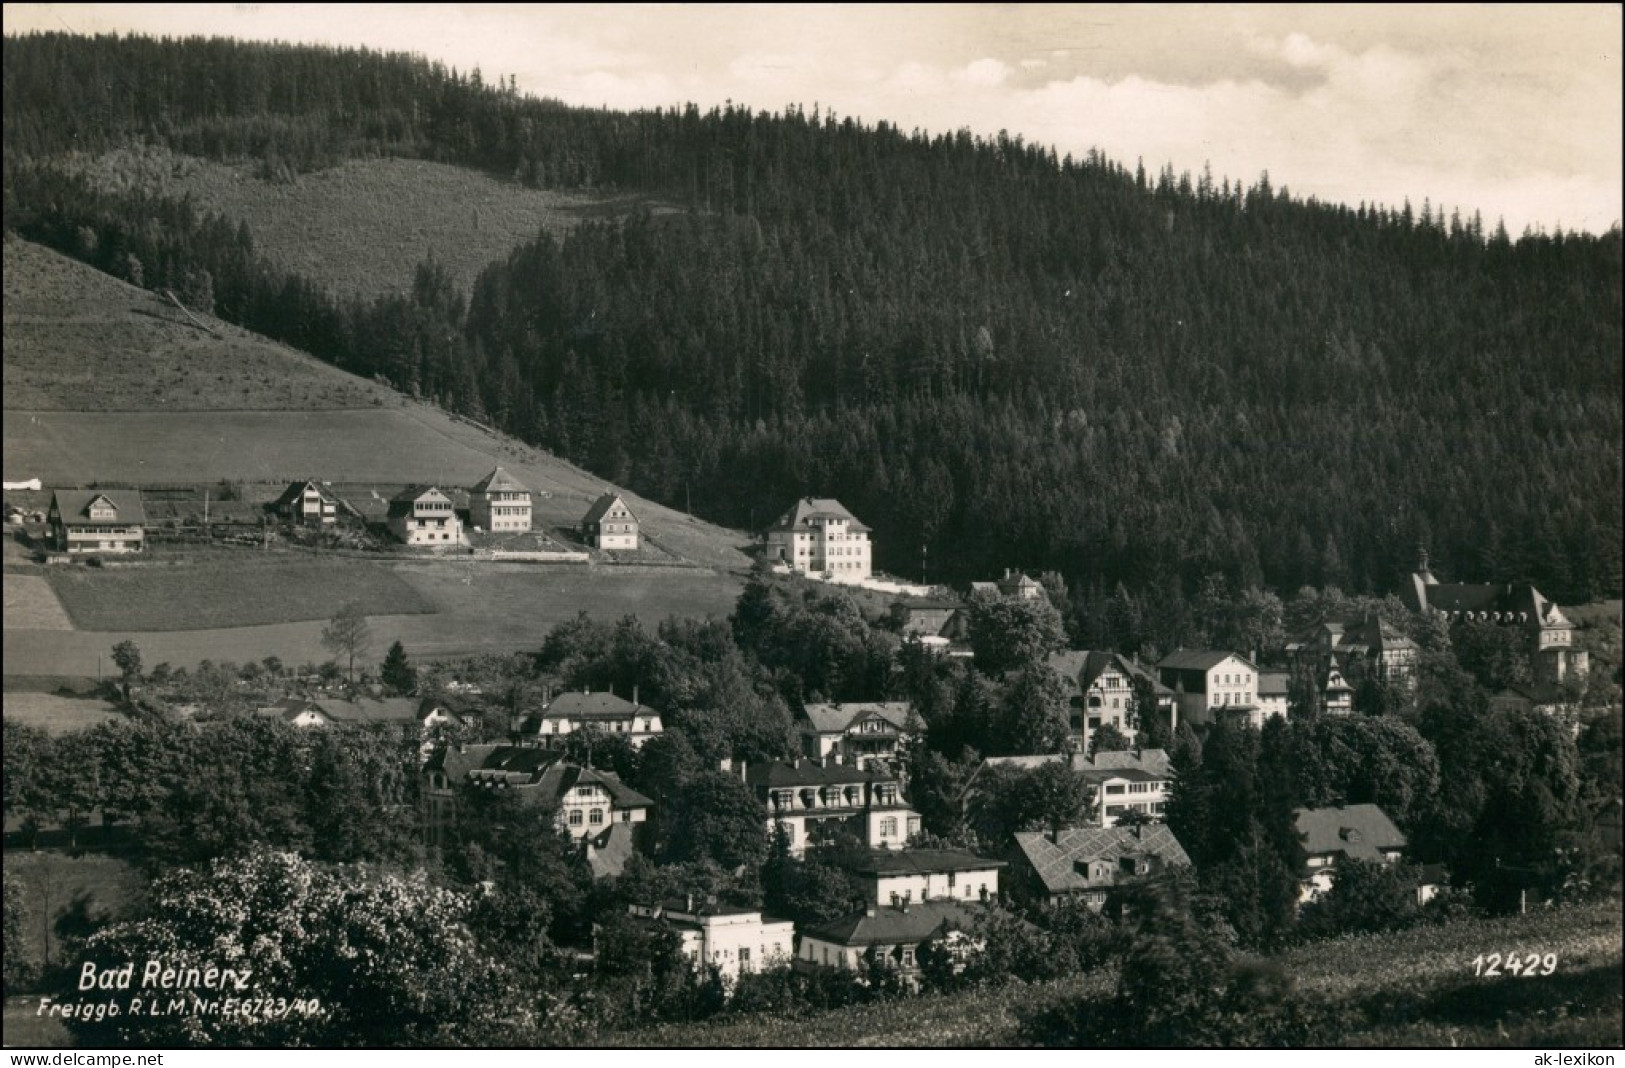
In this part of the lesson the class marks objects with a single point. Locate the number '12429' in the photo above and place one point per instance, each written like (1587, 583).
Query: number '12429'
(1526, 965)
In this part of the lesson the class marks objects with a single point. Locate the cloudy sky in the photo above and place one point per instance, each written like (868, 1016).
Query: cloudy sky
(1511, 110)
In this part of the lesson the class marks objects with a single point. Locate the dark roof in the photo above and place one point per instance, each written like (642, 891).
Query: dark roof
(601, 705)
(401, 504)
(887, 926)
(529, 766)
(833, 718)
(1155, 761)
(372, 710)
(1200, 660)
(296, 490)
(1055, 859)
(74, 506)
(1099, 775)
(1539, 693)
(921, 862)
(602, 505)
(621, 794)
(1359, 832)
(499, 479)
(1273, 682)
(804, 511)
(809, 773)
(456, 705)
(608, 851)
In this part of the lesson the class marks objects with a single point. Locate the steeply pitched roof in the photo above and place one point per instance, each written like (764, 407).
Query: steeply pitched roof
(74, 506)
(523, 766)
(1359, 832)
(804, 511)
(894, 926)
(1155, 761)
(600, 508)
(834, 718)
(296, 491)
(609, 850)
(621, 794)
(1200, 660)
(922, 862)
(1055, 860)
(499, 480)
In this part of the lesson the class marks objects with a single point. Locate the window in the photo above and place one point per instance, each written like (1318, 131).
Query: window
(575, 818)
(888, 827)
(596, 817)
(626, 815)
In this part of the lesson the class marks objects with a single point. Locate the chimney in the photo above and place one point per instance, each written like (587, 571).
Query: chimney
(869, 909)
(727, 764)
(1007, 572)
(688, 903)
(634, 693)
(742, 767)
(895, 900)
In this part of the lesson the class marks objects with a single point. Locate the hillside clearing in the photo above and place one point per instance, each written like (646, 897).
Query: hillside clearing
(361, 228)
(238, 594)
(55, 714)
(31, 604)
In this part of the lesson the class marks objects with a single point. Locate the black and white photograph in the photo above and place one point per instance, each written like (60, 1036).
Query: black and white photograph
(812, 527)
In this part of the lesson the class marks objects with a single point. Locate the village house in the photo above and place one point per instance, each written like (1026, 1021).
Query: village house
(818, 536)
(499, 504)
(1085, 863)
(1329, 836)
(309, 503)
(1336, 695)
(590, 802)
(858, 734)
(1208, 683)
(1273, 692)
(1100, 691)
(330, 711)
(571, 712)
(610, 524)
(904, 876)
(1548, 633)
(812, 802)
(1127, 784)
(424, 516)
(883, 936)
(1015, 585)
(933, 623)
(1377, 647)
(87, 522)
(735, 941)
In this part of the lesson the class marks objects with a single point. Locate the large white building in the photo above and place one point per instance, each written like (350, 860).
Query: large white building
(733, 940)
(1208, 683)
(818, 536)
(811, 802)
(97, 521)
(499, 503)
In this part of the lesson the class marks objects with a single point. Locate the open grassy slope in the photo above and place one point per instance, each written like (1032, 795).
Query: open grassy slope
(362, 227)
(107, 383)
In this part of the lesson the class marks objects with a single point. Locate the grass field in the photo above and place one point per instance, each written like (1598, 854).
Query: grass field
(79, 340)
(54, 713)
(244, 593)
(361, 228)
(474, 608)
(1413, 988)
(31, 604)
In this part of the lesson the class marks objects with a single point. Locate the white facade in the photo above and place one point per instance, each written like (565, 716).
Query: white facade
(1211, 684)
(610, 524)
(975, 885)
(499, 504)
(734, 941)
(587, 809)
(820, 537)
(425, 518)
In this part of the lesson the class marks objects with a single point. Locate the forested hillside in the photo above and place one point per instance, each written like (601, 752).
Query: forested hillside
(994, 356)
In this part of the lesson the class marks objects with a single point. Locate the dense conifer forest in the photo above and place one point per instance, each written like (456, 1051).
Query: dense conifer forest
(996, 357)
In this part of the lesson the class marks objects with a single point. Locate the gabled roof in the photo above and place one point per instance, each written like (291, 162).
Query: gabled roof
(804, 511)
(1155, 761)
(296, 491)
(622, 795)
(837, 717)
(1273, 683)
(1359, 832)
(74, 506)
(522, 766)
(600, 705)
(401, 504)
(452, 703)
(1084, 667)
(894, 926)
(608, 852)
(1055, 859)
(291, 709)
(371, 709)
(600, 508)
(922, 862)
(1201, 660)
(499, 480)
